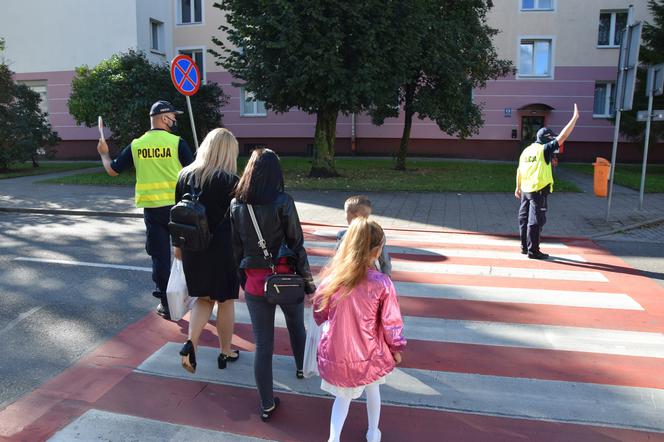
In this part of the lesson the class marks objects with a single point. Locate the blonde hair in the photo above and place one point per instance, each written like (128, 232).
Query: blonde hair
(351, 263)
(218, 151)
(358, 205)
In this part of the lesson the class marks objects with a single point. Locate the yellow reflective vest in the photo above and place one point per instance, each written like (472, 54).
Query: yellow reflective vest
(535, 173)
(157, 164)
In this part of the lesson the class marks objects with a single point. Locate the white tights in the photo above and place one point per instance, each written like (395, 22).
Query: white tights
(340, 411)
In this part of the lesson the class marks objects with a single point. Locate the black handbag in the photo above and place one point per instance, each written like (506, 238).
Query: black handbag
(280, 288)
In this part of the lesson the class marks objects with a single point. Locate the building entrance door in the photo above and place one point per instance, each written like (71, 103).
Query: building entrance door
(529, 126)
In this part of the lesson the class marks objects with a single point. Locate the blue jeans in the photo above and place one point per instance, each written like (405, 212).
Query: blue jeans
(158, 245)
(262, 322)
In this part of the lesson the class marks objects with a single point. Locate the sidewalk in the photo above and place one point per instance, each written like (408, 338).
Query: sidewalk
(570, 214)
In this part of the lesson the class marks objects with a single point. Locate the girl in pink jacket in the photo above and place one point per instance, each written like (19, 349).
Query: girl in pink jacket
(362, 339)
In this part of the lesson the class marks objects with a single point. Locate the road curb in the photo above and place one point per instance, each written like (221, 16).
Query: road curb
(98, 213)
(628, 228)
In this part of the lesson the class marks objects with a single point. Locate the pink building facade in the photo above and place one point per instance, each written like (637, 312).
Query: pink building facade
(565, 52)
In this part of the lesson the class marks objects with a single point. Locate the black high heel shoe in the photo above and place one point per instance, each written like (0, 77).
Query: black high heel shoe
(299, 374)
(188, 357)
(267, 414)
(223, 358)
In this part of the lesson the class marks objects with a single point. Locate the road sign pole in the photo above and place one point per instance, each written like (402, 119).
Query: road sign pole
(191, 119)
(645, 152)
(616, 134)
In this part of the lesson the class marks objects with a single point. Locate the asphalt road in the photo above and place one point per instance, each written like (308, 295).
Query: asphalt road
(52, 314)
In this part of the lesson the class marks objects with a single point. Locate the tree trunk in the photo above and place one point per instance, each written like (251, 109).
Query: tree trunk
(34, 160)
(323, 161)
(403, 145)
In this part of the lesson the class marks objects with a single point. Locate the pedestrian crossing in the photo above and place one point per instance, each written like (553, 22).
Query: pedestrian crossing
(500, 348)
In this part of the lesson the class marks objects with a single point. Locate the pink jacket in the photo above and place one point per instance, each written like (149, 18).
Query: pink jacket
(362, 332)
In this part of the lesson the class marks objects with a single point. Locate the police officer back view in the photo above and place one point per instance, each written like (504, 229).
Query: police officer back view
(158, 156)
(534, 182)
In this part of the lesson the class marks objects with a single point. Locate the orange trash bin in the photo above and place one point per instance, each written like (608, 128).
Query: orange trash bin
(602, 167)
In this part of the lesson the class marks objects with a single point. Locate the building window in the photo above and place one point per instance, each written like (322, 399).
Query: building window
(38, 86)
(537, 5)
(250, 107)
(535, 58)
(197, 56)
(190, 12)
(610, 28)
(604, 105)
(156, 36)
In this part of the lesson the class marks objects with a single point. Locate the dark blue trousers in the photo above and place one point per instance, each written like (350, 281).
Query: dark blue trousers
(532, 217)
(158, 246)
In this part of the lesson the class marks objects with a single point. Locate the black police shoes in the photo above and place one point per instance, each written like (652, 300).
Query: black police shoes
(163, 312)
(538, 255)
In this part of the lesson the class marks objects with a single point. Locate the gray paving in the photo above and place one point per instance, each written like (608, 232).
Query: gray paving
(570, 214)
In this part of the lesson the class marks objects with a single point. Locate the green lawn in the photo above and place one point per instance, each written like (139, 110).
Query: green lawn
(26, 169)
(629, 175)
(372, 174)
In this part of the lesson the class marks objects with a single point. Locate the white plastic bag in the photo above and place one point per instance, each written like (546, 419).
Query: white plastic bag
(314, 331)
(179, 301)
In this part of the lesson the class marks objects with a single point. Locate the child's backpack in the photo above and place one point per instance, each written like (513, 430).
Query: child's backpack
(189, 224)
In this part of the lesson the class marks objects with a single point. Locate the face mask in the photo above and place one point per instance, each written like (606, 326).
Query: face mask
(173, 126)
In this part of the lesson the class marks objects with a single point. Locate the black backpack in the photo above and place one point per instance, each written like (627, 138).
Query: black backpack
(189, 224)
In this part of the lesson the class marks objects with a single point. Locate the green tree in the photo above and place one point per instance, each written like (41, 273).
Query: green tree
(122, 88)
(444, 50)
(651, 53)
(324, 57)
(25, 131)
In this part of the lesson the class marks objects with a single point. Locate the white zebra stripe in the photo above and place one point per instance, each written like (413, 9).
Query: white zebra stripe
(458, 253)
(106, 426)
(547, 337)
(567, 298)
(447, 238)
(480, 270)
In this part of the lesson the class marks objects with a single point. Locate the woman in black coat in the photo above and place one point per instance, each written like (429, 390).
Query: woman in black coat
(211, 274)
(262, 186)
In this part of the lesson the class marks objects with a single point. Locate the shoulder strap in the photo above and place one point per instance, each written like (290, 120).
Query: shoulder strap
(261, 242)
(192, 187)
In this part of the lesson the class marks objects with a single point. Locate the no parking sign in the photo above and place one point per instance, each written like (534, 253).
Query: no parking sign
(186, 78)
(185, 75)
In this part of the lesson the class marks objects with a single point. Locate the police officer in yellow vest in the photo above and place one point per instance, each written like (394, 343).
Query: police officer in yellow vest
(158, 156)
(534, 182)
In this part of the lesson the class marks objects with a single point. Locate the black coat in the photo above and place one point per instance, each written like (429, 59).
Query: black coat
(280, 225)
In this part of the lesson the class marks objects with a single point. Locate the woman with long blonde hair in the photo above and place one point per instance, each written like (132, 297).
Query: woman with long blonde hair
(211, 274)
(363, 338)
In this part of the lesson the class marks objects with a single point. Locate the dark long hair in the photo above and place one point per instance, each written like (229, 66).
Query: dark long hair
(262, 179)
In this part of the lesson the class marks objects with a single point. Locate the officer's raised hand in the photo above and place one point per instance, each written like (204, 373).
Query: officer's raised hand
(102, 147)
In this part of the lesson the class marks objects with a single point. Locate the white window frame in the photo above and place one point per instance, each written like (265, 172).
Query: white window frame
(243, 94)
(161, 37)
(40, 87)
(612, 27)
(203, 50)
(178, 14)
(607, 100)
(537, 8)
(552, 56)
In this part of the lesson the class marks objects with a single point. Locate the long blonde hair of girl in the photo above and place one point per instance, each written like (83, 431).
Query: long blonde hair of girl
(218, 151)
(351, 263)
